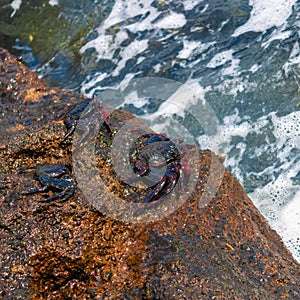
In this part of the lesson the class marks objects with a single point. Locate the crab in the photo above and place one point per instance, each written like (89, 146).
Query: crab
(157, 159)
(72, 117)
(55, 177)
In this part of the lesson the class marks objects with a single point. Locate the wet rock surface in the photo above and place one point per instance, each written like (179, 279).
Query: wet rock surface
(69, 250)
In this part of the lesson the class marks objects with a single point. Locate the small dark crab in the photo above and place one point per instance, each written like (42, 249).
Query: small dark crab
(156, 160)
(72, 117)
(55, 177)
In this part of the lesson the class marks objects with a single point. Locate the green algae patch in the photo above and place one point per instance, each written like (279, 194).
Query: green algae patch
(46, 29)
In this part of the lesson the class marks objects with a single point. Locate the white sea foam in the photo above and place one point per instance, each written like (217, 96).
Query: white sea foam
(15, 6)
(188, 49)
(220, 59)
(90, 82)
(191, 48)
(190, 4)
(277, 34)
(293, 63)
(106, 44)
(132, 50)
(288, 225)
(279, 201)
(231, 66)
(254, 68)
(134, 99)
(186, 98)
(171, 21)
(53, 2)
(266, 14)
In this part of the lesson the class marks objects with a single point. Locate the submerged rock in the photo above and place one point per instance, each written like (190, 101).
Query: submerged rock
(225, 250)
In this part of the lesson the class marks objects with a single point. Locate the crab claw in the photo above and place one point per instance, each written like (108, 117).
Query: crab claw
(70, 124)
(166, 185)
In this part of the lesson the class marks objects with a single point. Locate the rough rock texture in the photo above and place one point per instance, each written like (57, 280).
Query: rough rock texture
(225, 250)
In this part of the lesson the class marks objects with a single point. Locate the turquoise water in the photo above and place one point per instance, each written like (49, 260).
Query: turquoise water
(241, 57)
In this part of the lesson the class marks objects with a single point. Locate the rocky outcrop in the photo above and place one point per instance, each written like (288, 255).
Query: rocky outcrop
(69, 250)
